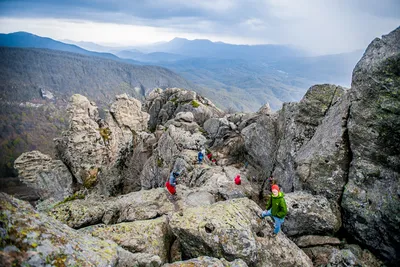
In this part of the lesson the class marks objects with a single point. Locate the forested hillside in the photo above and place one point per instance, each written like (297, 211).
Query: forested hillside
(28, 120)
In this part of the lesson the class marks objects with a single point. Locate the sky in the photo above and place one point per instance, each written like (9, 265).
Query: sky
(317, 26)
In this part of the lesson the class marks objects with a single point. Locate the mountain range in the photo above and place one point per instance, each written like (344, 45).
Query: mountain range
(237, 77)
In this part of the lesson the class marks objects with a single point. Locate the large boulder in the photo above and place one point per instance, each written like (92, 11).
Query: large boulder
(233, 230)
(219, 181)
(350, 255)
(29, 238)
(323, 162)
(261, 141)
(371, 202)
(51, 178)
(150, 236)
(141, 205)
(296, 125)
(310, 215)
(164, 105)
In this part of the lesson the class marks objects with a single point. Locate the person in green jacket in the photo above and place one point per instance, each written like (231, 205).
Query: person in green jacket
(276, 207)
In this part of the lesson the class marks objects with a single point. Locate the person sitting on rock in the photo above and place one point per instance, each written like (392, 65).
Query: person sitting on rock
(276, 208)
(171, 183)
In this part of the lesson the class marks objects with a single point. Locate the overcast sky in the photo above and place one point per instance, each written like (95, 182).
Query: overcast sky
(319, 26)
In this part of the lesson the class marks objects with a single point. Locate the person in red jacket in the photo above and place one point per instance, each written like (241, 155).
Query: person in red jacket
(238, 181)
(171, 183)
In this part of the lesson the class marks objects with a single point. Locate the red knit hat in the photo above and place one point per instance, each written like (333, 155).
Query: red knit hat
(275, 186)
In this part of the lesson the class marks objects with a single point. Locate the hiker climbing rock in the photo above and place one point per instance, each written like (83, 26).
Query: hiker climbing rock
(276, 208)
(200, 156)
(238, 181)
(171, 183)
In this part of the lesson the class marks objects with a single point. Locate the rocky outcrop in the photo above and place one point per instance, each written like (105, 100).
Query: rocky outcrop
(310, 215)
(164, 105)
(150, 236)
(323, 162)
(51, 178)
(205, 261)
(93, 147)
(176, 151)
(296, 125)
(371, 202)
(233, 230)
(34, 239)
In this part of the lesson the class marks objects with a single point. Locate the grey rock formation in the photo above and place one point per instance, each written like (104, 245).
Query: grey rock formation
(164, 105)
(97, 159)
(51, 178)
(232, 229)
(310, 215)
(176, 151)
(371, 202)
(150, 236)
(261, 141)
(296, 125)
(323, 162)
(34, 239)
(205, 261)
(141, 205)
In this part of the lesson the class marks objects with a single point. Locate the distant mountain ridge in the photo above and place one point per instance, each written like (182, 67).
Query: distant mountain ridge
(28, 40)
(209, 49)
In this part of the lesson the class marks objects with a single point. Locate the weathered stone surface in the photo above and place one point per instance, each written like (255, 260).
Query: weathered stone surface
(261, 141)
(219, 181)
(98, 161)
(141, 205)
(364, 257)
(127, 112)
(229, 229)
(266, 109)
(163, 105)
(150, 236)
(34, 239)
(316, 240)
(323, 162)
(184, 116)
(81, 148)
(310, 215)
(351, 255)
(296, 125)
(124, 177)
(205, 261)
(140, 259)
(371, 202)
(51, 178)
